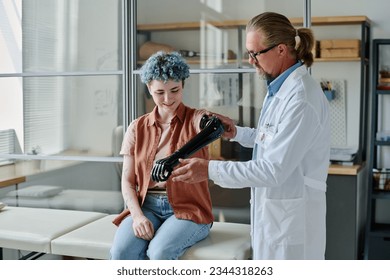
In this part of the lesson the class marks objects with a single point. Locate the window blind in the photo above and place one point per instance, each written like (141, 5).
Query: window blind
(7, 144)
(43, 50)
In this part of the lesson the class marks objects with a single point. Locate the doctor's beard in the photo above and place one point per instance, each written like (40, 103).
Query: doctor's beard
(262, 74)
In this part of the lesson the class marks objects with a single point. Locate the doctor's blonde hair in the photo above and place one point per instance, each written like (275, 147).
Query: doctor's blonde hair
(277, 29)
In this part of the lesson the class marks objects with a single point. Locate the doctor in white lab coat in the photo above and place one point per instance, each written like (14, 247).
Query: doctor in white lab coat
(287, 174)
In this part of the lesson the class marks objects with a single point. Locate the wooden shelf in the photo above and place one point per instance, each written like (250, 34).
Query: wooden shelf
(335, 169)
(333, 20)
(315, 21)
(337, 59)
(196, 61)
(176, 26)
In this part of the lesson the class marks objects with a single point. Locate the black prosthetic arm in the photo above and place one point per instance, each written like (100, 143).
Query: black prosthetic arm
(212, 129)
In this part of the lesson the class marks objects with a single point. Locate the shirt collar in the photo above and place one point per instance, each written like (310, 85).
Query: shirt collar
(274, 85)
(180, 114)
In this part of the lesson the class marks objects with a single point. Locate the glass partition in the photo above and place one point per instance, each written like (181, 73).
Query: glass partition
(81, 35)
(62, 77)
(208, 33)
(63, 83)
(74, 115)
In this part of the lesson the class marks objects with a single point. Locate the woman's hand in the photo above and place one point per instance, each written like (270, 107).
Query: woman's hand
(143, 227)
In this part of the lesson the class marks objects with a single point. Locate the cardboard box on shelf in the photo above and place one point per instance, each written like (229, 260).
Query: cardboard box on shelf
(328, 53)
(340, 44)
(340, 48)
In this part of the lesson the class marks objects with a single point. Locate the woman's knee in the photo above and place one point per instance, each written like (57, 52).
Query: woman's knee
(128, 249)
(127, 253)
(117, 254)
(161, 253)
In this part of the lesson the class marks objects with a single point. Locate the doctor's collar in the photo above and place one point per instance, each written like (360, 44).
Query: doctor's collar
(275, 84)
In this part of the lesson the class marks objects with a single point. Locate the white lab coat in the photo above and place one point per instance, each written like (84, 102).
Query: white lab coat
(288, 176)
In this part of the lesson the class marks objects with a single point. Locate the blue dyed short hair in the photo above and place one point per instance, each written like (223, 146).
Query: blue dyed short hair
(164, 66)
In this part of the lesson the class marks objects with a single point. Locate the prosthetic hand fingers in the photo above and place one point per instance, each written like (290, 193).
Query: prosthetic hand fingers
(161, 170)
(156, 172)
(165, 172)
(159, 173)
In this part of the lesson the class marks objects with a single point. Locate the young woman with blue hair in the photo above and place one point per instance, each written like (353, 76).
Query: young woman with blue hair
(162, 219)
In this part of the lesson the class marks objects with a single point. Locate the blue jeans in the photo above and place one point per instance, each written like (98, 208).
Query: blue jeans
(171, 239)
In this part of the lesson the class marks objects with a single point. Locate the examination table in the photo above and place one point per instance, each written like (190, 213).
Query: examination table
(89, 235)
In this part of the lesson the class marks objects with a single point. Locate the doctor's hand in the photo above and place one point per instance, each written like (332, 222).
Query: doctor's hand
(192, 170)
(143, 227)
(228, 125)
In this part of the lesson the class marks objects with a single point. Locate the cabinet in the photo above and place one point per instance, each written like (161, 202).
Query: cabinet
(346, 199)
(378, 229)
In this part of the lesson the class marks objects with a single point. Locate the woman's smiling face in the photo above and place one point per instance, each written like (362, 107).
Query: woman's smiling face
(167, 96)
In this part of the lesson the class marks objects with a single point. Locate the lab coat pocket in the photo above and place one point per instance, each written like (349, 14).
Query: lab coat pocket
(284, 221)
(265, 136)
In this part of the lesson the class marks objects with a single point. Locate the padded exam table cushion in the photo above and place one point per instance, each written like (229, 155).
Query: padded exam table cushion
(90, 241)
(33, 229)
(229, 241)
(90, 235)
(226, 241)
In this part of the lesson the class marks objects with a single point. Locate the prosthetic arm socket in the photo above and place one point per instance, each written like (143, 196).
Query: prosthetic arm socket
(211, 129)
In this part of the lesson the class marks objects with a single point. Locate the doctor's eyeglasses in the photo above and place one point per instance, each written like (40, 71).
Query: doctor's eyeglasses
(254, 55)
